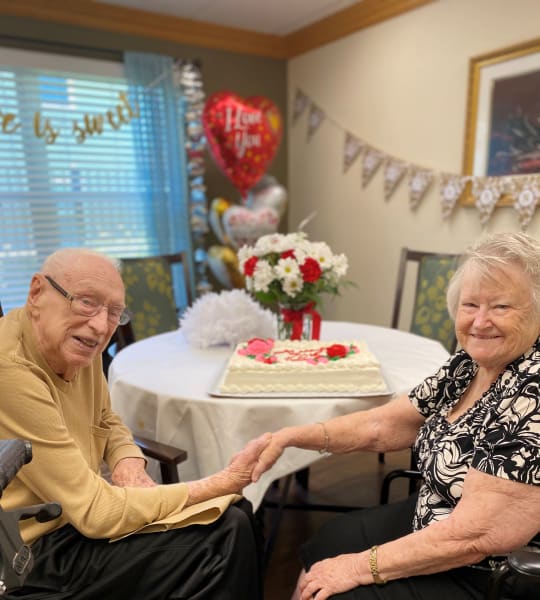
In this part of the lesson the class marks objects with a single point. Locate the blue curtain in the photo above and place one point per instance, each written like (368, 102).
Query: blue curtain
(160, 148)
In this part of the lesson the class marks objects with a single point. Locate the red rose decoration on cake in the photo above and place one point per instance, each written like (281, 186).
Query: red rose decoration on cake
(336, 351)
(259, 349)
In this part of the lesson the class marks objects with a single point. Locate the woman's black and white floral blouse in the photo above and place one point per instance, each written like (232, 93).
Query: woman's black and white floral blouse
(499, 435)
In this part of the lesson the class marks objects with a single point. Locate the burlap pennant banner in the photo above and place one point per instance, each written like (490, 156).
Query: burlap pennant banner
(524, 190)
(419, 182)
(316, 117)
(371, 161)
(486, 192)
(394, 171)
(301, 102)
(352, 150)
(526, 194)
(452, 187)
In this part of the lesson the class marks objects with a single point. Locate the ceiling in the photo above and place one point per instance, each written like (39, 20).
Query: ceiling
(279, 29)
(277, 17)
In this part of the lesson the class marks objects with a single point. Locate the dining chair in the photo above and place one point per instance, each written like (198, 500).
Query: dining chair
(429, 316)
(151, 283)
(168, 457)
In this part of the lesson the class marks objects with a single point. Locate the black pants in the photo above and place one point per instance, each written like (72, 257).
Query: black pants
(359, 530)
(220, 561)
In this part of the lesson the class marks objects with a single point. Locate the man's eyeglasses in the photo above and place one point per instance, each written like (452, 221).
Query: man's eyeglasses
(86, 306)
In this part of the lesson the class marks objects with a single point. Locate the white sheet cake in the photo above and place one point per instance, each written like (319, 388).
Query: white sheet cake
(261, 366)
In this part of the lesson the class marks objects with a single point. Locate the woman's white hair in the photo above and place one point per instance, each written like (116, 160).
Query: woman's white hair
(496, 251)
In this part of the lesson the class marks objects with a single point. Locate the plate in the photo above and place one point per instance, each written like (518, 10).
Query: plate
(214, 392)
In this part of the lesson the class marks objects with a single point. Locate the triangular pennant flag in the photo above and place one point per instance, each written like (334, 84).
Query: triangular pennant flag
(486, 192)
(300, 103)
(394, 170)
(452, 187)
(353, 147)
(316, 117)
(526, 194)
(419, 183)
(370, 163)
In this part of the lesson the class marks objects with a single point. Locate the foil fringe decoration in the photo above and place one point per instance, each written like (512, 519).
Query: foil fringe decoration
(188, 77)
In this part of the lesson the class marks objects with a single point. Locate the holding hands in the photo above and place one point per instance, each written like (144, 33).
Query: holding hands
(277, 442)
(241, 468)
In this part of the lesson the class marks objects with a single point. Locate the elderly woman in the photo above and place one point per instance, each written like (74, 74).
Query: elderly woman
(475, 429)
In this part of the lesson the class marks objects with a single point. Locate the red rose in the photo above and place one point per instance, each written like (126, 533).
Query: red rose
(337, 351)
(288, 254)
(249, 266)
(311, 270)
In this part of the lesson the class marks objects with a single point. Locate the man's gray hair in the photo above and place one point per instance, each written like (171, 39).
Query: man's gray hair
(496, 251)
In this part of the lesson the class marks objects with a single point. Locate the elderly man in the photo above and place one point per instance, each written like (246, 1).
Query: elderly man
(132, 539)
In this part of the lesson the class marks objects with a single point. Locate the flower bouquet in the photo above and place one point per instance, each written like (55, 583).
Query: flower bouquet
(291, 273)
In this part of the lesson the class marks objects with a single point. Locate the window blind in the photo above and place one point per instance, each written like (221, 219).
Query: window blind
(74, 171)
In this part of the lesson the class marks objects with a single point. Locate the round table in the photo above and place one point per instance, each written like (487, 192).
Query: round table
(161, 388)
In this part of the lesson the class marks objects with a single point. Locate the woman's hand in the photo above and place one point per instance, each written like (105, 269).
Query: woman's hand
(231, 480)
(330, 576)
(274, 449)
(234, 478)
(131, 472)
(239, 472)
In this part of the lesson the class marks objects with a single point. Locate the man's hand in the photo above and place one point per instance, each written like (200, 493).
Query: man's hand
(130, 472)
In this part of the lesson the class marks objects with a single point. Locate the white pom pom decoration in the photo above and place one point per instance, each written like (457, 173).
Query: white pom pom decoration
(226, 318)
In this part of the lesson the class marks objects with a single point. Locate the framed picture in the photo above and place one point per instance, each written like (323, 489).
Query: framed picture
(502, 134)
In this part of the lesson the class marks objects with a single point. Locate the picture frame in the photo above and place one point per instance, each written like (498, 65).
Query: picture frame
(502, 97)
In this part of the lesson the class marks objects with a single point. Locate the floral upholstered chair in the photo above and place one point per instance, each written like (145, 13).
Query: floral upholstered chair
(430, 317)
(150, 294)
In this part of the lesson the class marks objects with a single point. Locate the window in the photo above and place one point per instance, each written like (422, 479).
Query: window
(82, 164)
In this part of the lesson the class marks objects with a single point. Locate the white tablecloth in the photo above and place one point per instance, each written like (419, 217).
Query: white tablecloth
(160, 387)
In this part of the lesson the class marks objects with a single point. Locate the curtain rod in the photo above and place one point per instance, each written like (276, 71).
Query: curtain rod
(60, 47)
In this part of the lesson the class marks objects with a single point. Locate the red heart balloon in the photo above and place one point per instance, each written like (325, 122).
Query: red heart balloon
(243, 135)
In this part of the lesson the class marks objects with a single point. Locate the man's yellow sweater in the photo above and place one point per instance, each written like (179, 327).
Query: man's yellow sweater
(72, 429)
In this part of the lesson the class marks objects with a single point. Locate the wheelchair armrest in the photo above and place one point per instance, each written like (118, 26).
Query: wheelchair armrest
(525, 561)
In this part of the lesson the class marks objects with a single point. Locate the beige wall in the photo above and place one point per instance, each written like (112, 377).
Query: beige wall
(401, 86)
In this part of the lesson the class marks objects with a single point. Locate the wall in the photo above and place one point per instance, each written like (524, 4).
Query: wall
(401, 86)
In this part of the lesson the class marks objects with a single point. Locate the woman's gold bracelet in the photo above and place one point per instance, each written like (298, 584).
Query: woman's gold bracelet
(324, 449)
(373, 566)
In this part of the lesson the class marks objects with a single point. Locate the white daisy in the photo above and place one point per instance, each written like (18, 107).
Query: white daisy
(322, 254)
(340, 264)
(263, 276)
(287, 267)
(293, 285)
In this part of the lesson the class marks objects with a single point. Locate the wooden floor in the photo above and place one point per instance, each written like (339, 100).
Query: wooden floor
(348, 480)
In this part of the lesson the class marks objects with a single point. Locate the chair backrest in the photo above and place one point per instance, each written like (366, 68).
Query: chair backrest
(430, 317)
(150, 297)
